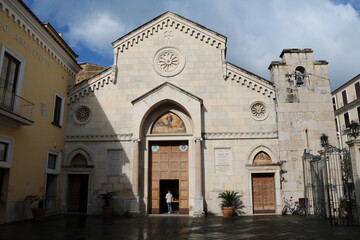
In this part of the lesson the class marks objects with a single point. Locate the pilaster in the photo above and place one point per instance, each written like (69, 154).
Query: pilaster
(354, 147)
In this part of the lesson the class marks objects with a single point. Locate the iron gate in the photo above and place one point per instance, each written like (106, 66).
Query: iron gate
(329, 186)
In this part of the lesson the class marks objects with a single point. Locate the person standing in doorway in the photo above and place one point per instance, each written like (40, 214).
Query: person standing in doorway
(169, 198)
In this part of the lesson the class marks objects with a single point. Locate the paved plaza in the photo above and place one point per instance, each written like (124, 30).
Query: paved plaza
(82, 227)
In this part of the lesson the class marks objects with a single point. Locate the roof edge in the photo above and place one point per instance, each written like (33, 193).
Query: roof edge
(163, 15)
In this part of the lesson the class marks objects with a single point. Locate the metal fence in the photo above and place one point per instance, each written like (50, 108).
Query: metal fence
(13, 103)
(329, 186)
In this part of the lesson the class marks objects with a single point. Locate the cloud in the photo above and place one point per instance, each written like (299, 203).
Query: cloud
(257, 31)
(96, 31)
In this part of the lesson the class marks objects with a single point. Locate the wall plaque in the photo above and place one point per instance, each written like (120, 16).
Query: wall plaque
(115, 162)
(223, 161)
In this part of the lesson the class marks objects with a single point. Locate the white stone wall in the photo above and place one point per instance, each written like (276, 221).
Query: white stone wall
(304, 114)
(226, 106)
(218, 98)
(238, 177)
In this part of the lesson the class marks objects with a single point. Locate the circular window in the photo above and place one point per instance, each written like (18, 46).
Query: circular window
(169, 62)
(259, 111)
(82, 115)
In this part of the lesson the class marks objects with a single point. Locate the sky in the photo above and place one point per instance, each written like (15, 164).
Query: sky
(256, 30)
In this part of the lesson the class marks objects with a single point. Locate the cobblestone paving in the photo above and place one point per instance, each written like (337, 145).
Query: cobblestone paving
(81, 227)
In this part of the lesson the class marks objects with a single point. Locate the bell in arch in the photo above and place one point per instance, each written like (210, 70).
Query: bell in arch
(299, 78)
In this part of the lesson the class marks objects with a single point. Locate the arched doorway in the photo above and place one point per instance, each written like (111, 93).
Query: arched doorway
(78, 186)
(263, 186)
(168, 164)
(150, 107)
(78, 168)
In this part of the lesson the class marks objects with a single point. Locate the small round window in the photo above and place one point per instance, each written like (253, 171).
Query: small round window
(259, 111)
(82, 115)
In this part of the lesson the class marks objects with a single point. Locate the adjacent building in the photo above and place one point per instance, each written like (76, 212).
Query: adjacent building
(346, 104)
(37, 68)
(172, 114)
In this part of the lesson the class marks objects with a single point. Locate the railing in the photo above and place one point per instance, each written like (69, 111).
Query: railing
(15, 104)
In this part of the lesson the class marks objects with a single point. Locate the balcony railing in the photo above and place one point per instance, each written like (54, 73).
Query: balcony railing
(15, 104)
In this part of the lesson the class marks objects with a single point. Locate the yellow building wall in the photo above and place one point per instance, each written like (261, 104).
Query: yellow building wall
(42, 78)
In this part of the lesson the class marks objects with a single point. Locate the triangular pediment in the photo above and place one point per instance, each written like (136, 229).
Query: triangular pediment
(176, 22)
(169, 87)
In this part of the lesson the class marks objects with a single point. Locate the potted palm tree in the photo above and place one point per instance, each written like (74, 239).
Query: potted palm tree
(38, 212)
(229, 200)
(107, 197)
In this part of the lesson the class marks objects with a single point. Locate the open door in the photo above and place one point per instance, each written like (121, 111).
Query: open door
(173, 186)
(77, 192)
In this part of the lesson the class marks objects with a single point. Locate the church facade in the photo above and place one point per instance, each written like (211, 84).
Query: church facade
(172, 114)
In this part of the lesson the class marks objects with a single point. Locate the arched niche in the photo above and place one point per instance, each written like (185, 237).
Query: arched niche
(168, 118)
(262, 158)
(149, 106)
(78, 160)
(168, 123)
(79, 157)
(260, 152)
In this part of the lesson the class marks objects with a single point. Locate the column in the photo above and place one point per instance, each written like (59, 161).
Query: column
(354, 146)
(135, 205)
(199, 199)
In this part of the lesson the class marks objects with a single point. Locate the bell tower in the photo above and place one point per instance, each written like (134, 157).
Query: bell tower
(304, 112)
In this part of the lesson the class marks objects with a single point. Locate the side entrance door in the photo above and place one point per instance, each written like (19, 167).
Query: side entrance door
(77, 193)
(263, 191)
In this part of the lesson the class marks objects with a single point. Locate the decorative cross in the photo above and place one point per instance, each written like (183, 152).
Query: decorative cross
(168, 34)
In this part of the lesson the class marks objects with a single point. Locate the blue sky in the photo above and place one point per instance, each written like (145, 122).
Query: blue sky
(257, 30)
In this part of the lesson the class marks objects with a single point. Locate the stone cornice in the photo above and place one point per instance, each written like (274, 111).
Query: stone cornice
(250, 80)
(239, 135)
(174, 21)
(29, 23)
(99, 138)
(85, 87)
(207, 136)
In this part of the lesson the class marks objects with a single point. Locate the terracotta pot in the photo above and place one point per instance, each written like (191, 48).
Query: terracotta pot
(342, 212)
(108, 211)
(39, 213)
(228, 211)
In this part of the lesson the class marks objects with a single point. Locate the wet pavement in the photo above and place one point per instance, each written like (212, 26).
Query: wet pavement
(82, 227)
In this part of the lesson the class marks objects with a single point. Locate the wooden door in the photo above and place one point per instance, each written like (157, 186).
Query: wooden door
(263, 187)
(77, 193)
(169, 162)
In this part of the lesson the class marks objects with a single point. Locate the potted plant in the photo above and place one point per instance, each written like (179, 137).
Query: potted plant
(229, 200)
(107, 197)
(38, 212)
(342, 208)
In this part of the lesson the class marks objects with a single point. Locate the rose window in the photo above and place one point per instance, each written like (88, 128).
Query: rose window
(168, 61)
(258, 110)
(82, 114)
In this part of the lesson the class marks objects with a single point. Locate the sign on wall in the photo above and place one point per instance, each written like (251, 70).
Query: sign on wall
(223, 161)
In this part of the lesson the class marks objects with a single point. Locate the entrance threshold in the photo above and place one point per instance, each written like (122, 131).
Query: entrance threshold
(168, 215)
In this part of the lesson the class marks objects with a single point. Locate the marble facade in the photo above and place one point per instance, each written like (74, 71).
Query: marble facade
(230, 115)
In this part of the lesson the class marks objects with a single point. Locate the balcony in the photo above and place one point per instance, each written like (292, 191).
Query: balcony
(14, 110)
